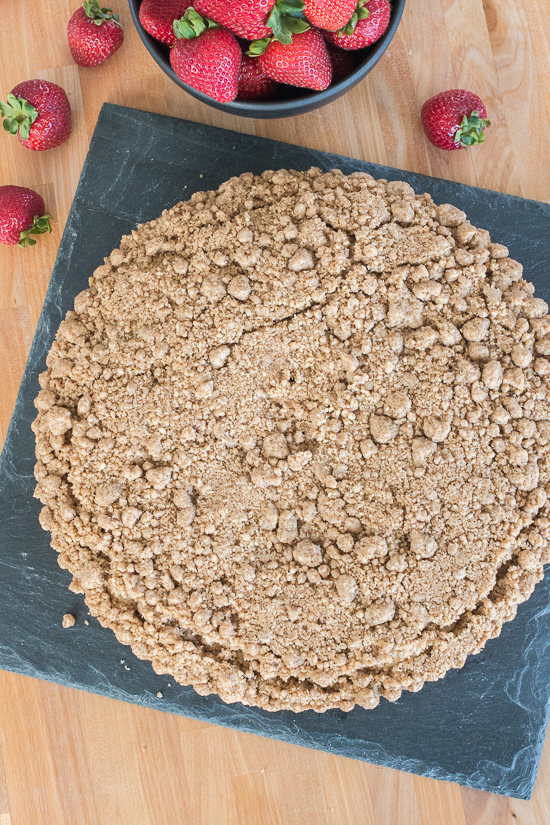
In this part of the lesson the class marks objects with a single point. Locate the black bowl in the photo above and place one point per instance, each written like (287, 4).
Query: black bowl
(297, 101)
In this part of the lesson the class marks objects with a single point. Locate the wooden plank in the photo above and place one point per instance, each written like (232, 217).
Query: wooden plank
(4, 800)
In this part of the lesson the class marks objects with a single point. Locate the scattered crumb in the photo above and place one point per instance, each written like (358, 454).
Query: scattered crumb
(68, 620)
(86, 622)
(159, 695)
(303, 422)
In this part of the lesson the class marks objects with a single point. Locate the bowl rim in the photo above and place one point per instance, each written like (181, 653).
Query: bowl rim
(276, 108)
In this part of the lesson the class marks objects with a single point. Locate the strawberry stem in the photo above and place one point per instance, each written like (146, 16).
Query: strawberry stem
(258, 47)
(472, 130)
(192, 25)
(39, 226)
(98, 14)
(287, 18)
(361, 13)
(18, 116)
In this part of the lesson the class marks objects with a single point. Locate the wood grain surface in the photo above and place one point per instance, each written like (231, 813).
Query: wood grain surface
(67, 756)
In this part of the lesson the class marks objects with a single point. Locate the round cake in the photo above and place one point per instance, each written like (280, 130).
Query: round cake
(294, 442)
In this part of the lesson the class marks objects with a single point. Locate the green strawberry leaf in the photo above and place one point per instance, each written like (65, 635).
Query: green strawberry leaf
(183, 29)
(24, 240)
(10, 126)
(25, 129)
(258, 47)
(98, 14)
(472, 130)
(284, 23)
(361, 13)
(18, 116)
(39, 226)
(192, 25)
(290, 6)
(349, 28)
(294, 25)
(197, 22)
(280, 33)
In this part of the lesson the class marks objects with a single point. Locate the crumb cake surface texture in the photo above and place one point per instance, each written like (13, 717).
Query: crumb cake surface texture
(294, 444)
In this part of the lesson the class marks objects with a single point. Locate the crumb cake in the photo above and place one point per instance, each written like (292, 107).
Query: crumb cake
(294, 443)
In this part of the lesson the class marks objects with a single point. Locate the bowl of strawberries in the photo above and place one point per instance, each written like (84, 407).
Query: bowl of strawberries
(266, 58)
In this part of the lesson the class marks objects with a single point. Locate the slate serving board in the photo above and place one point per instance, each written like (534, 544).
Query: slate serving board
(482, 726)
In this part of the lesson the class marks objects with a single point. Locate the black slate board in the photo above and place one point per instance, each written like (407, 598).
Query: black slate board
(482, 726)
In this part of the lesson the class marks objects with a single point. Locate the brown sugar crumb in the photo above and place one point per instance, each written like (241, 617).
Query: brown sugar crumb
(293, 443)
(68, 620)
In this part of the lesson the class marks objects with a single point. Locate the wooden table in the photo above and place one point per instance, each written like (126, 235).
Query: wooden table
(67, 756)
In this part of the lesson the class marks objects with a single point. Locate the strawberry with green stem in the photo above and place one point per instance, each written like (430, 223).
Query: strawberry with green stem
(245, 18)
(22, 213)
(94, 34)
(304, 63)
(455, 119)
(39, 113)
(367, 24)
(257, 19)
(206, 56)
(329, 14)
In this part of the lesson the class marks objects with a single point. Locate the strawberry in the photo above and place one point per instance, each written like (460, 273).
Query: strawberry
(329, 14)
(22, 212)
(206, 57)
(157, 17)
(254, 84)
(257, 19)
(343, 62)
(39, 113)
(245, 18)
(369, 22)
(304, 63)
(455, 119)
(94, 34)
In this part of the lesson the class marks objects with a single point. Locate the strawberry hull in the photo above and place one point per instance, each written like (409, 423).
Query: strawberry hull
(290, 101)
(52, 126)
(367, 31)
(19, 208)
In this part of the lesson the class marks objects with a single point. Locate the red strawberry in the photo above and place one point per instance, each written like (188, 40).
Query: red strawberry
(257, 19)
(254, 84)
(157, 17)
(455, 119)
(368, 24)
(304, 63)
(206, 57)
(39, 113)
(329, 14)
(343, 62)
(94, 34)
(245, 18)
(22, 212)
